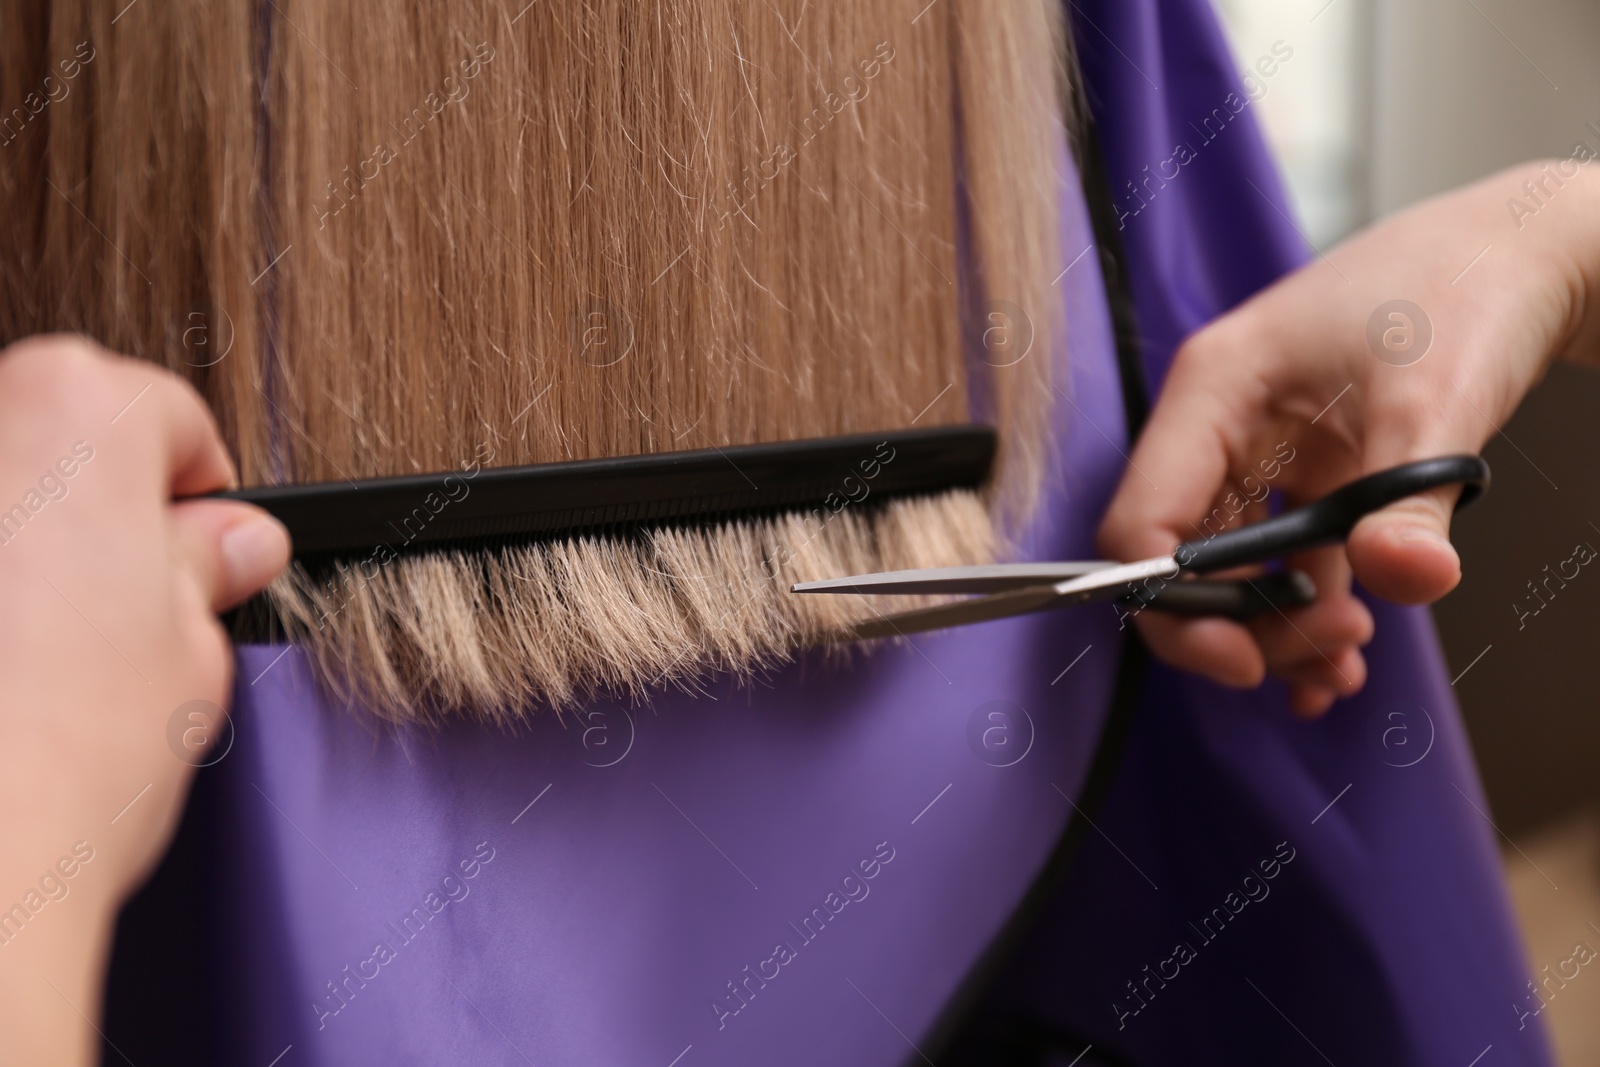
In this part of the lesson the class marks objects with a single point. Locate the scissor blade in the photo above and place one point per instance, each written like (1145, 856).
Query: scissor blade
(1105, 583)
(1150, 574)
(991, 578)
(961, 613)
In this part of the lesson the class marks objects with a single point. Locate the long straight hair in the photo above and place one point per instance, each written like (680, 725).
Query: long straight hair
(390, 238)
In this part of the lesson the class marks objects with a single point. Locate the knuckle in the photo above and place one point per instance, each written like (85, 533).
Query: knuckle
(55, 347)
(178, 399)
(1203, 346)
(55, 373)
(71, 372)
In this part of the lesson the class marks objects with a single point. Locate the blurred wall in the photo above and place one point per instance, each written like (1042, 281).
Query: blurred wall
(1530, 701)
(1462, 88)
(1459, 89)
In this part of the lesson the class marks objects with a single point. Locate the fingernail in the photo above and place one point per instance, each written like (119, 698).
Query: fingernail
(254, 551)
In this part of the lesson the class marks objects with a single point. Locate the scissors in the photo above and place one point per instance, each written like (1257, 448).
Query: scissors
(1165, 583)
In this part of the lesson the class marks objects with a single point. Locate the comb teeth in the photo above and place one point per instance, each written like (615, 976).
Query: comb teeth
(495, 635)
(477, 506)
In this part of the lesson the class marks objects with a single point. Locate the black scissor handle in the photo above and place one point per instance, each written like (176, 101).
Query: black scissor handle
(1330, 519)
(1240, 598)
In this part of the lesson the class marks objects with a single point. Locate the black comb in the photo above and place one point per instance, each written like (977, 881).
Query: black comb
(476, 505)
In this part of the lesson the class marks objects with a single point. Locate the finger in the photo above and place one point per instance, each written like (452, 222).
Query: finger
(1179, 466)
(1316, 649)
(1314, 686)
(1174, 475)
(1342, 671)
(1336, 620)
(233, 549)
(1310, 701)
(1314, 635)
(195, 459)
(1218, 649)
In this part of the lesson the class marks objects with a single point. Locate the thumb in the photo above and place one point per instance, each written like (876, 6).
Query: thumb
(234, 549)
(1403, 552)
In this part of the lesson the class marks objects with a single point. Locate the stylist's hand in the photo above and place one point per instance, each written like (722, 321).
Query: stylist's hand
(1291, 373)
(110, 592)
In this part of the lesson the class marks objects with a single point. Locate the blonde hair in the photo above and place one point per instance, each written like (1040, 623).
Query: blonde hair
(524, 234)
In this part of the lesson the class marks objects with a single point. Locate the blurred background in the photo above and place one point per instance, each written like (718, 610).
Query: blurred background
(1383, 103)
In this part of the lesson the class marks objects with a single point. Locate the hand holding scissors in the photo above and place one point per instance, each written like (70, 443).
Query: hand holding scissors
(1172, 582)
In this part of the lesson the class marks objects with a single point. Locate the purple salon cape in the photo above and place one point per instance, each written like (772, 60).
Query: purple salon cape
(811, 870)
